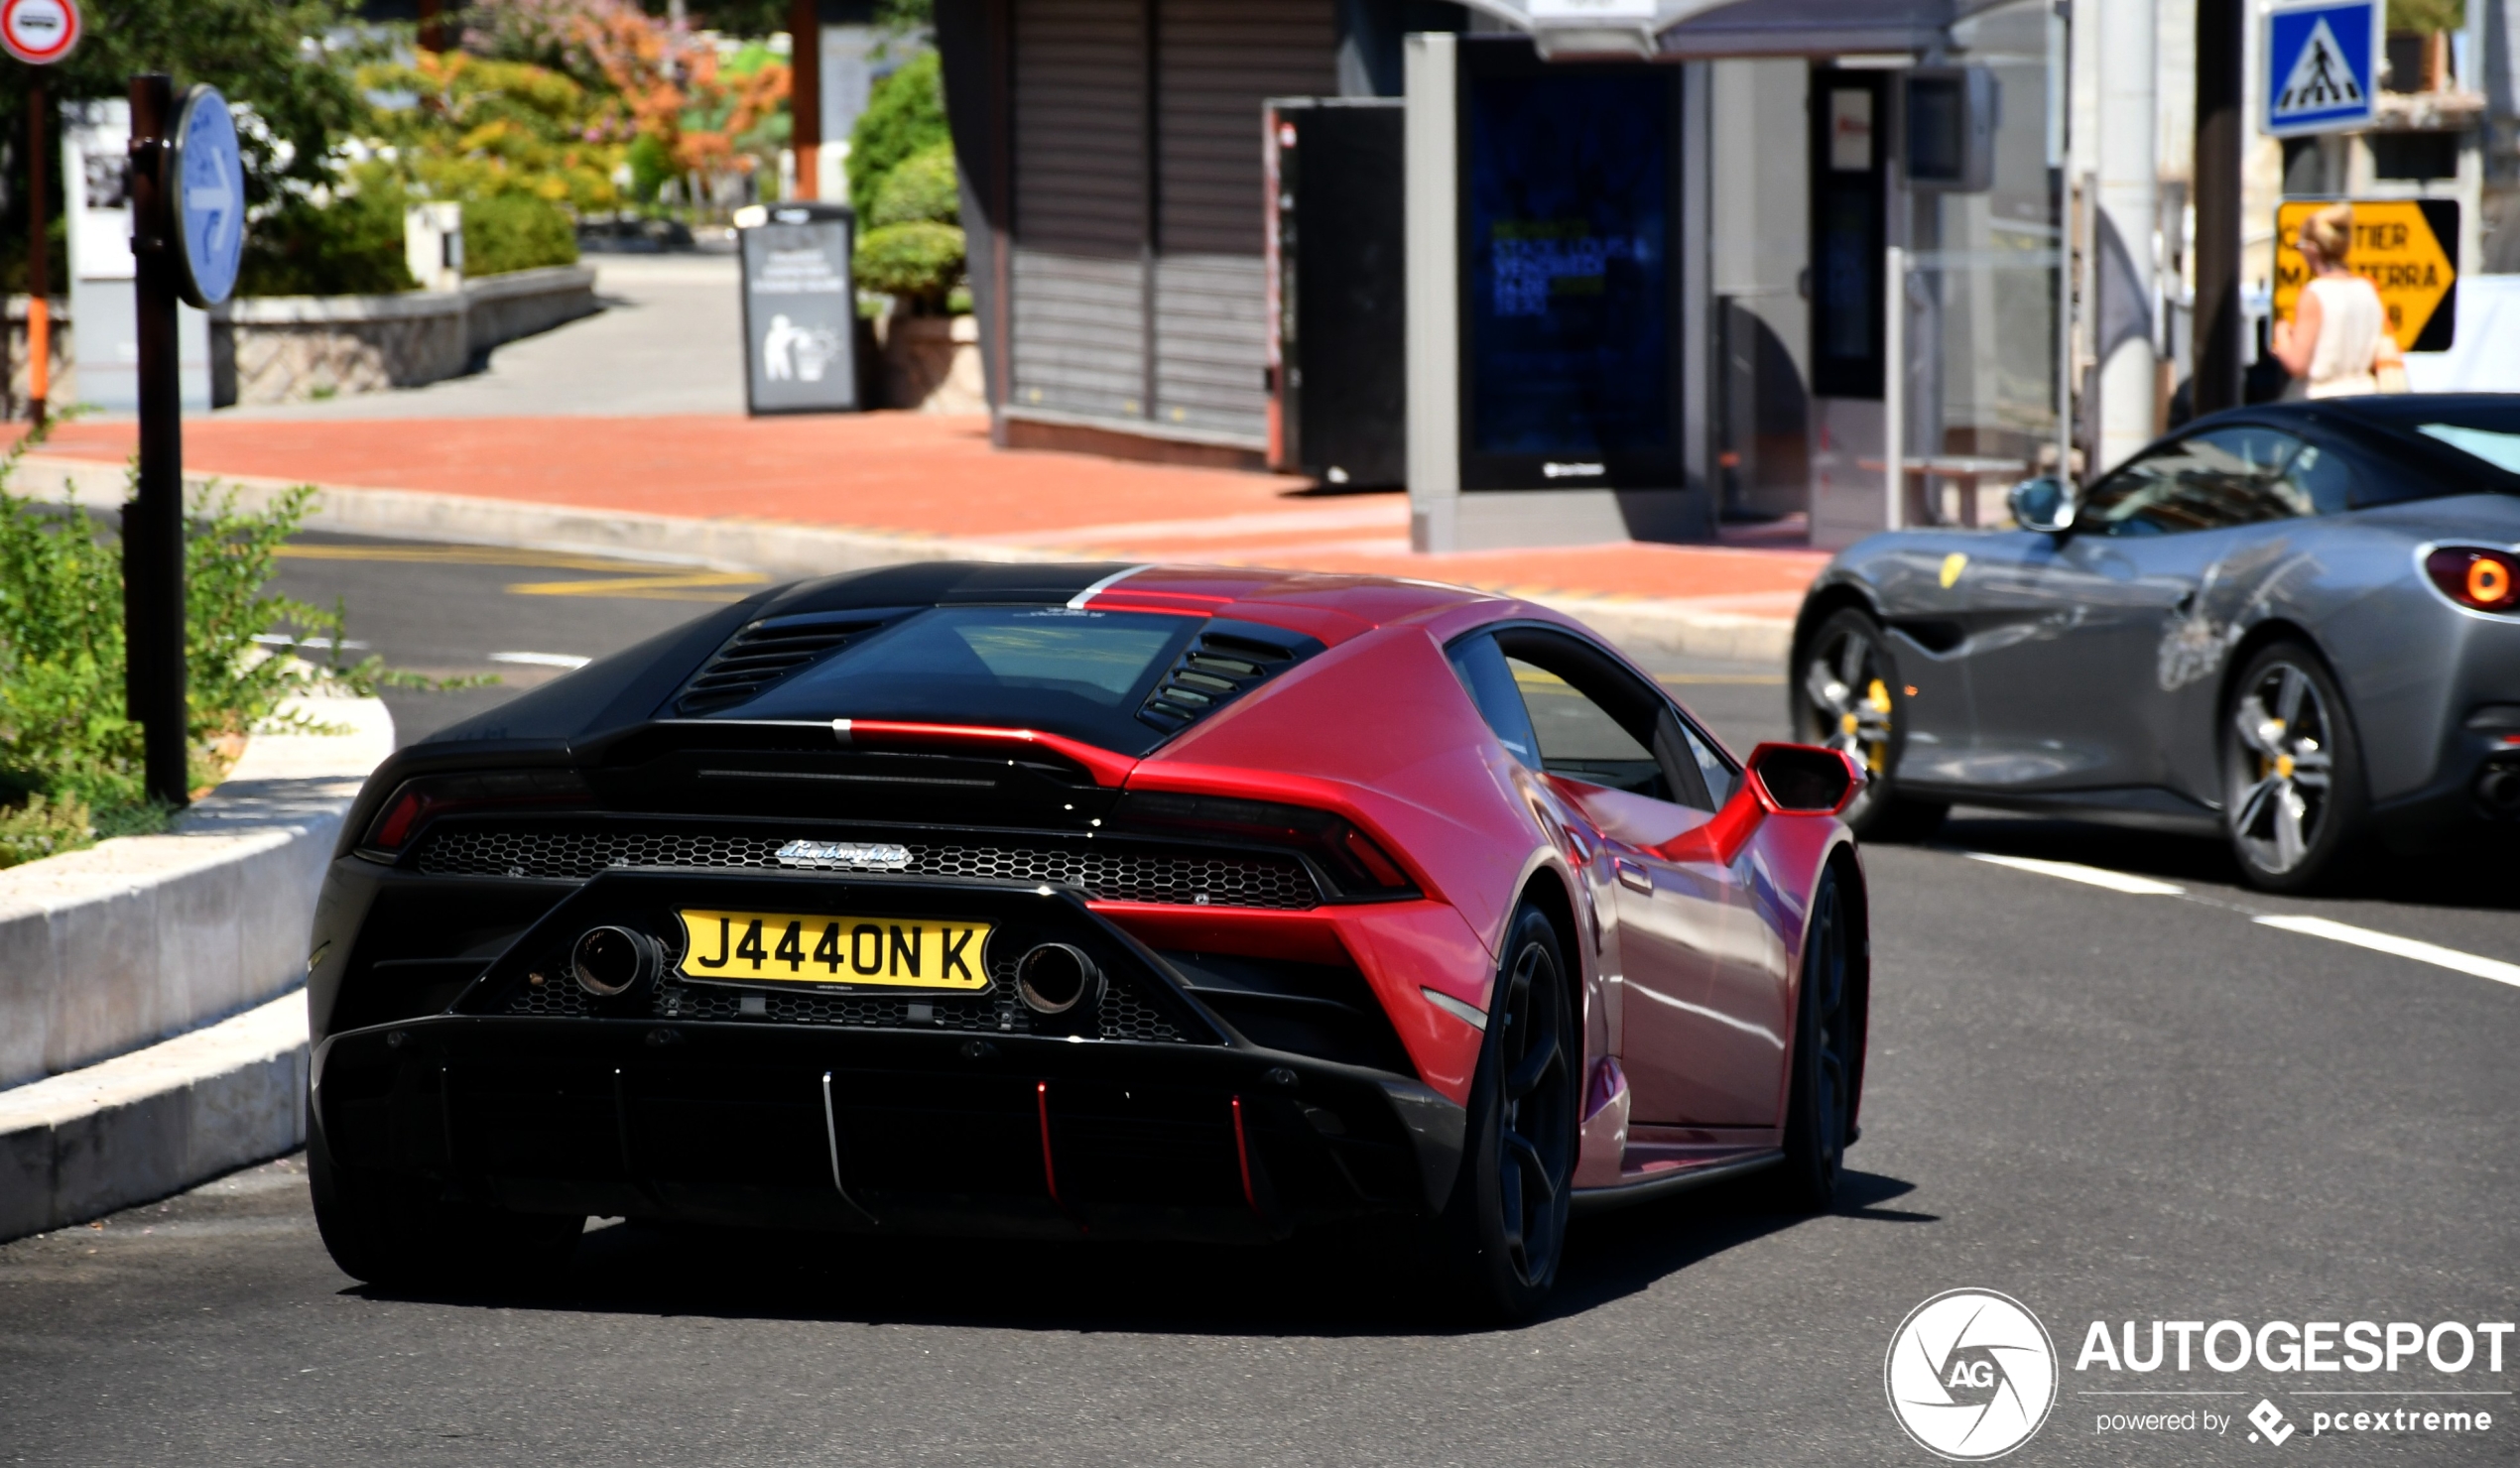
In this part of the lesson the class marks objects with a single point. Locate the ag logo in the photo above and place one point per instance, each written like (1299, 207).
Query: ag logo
(1971, 1374)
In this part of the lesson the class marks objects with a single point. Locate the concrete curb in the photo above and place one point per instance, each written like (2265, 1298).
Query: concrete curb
(154, 1122)
(784, 549)
(116, 960)
(141, 939)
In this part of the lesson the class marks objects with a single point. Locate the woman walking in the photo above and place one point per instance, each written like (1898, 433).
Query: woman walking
(2337, 340)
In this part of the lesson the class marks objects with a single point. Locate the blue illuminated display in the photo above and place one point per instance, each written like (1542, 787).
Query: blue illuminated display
(1567, 255)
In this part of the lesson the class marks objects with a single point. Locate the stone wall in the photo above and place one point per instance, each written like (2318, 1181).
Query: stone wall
(298, 349)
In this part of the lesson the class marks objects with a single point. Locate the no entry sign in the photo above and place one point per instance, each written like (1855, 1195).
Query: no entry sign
(38, 32)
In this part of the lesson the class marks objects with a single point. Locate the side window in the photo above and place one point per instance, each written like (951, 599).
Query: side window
(1564, 707)
(1481, 667)
(2213, 480)
(2325, 479)
(1719, 777)
(1580, 740)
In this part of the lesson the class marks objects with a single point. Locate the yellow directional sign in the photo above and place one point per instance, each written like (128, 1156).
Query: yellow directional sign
(2404, 246)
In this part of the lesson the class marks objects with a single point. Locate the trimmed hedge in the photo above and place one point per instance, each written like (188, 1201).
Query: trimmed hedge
(516, 231)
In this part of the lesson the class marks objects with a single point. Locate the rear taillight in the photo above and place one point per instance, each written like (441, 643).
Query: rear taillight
(418, 801)
(1357, 866)
(2472, 576)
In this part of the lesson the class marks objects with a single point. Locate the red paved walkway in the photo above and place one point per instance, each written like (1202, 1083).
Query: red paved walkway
(933, 475)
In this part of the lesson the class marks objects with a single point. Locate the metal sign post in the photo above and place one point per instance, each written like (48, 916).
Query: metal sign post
(38, 33)
(186, 186)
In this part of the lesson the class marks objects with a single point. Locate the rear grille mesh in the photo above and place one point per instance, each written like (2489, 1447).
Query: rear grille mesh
(1107, 873)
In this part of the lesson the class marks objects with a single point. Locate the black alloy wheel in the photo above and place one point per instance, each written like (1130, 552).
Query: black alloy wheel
(1506, 1226)
(398, 1233)
(1849, 697)
(2291, 771)
(1828, 1039)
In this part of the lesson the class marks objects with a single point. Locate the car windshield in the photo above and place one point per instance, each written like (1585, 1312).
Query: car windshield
(1081, 674)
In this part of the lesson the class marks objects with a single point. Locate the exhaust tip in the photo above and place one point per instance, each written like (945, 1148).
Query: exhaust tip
(2500, 788)
(609, 963)
(1057, 979)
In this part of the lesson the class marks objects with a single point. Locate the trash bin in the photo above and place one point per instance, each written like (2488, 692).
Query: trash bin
(800, 308)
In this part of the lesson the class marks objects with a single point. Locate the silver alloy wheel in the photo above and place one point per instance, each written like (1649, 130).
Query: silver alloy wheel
(1849, 691)
(2281, 782)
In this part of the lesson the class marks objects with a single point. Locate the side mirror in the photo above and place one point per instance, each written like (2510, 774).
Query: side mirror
(1805, 780)
(2042, 504)
(1783, 780)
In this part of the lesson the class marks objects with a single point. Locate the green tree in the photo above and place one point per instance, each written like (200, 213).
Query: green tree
(905, 115)
(264, 54)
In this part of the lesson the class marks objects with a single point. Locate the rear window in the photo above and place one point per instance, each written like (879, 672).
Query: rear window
(2499, 447)
(2485, 428)
(1081, 674)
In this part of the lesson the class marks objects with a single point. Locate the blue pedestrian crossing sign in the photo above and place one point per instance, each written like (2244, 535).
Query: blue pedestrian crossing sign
(2321, 63)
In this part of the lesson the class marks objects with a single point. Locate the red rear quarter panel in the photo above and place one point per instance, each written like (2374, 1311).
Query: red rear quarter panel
(1379, 729)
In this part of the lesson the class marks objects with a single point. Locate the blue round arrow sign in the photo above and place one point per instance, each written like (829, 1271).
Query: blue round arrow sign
(209, 197)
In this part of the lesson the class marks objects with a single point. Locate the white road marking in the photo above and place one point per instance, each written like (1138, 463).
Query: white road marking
(2076, 872)
(543, 660)
(2415, 948)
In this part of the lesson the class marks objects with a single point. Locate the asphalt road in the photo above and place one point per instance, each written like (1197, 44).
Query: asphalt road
(2111, 1105)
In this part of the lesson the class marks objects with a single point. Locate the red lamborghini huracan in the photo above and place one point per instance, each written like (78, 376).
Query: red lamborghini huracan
(1051, 901)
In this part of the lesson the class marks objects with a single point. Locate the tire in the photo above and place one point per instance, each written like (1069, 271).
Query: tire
(1829, 1039)
(2294, 792)
(396, 1233)
(1504, 1231)
(1848, 696)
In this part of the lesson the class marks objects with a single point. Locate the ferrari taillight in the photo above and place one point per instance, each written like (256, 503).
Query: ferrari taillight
(1355, 864)
(2474, 576)
(418, 801)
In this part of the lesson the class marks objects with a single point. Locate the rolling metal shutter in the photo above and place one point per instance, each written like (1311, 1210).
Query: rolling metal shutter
(1077, 267)
(1085, 268)
(1216, 60)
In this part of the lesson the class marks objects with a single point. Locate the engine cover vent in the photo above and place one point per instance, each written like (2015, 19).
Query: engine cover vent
(767, 652)
(1226, 660)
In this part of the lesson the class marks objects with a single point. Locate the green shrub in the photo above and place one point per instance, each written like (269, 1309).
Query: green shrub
(70, 764)
(920, 263)
(516, 231)
(905, 115)
(922, 188)
(651, 164)
(352, 246)
(40, 828)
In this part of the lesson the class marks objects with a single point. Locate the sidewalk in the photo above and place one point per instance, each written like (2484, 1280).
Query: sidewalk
(936, 486)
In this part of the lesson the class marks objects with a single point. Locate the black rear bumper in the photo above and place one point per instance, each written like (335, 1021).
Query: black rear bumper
(878, 1130)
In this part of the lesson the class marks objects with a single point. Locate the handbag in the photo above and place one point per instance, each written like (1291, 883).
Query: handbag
(2388, 366)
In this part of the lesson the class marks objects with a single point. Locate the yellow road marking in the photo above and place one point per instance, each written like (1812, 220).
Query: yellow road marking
(642, 586)
(634, 579)
(468, 556)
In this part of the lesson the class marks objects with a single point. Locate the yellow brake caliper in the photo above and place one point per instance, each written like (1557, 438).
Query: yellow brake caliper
(1878, 696)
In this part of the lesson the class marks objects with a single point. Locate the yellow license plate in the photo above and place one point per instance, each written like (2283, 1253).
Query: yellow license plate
(793, 947)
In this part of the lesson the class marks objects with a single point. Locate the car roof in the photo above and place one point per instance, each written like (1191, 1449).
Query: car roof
(2388, 423)
(1329, 605)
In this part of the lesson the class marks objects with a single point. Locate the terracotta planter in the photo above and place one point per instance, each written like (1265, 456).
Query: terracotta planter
(933, 364)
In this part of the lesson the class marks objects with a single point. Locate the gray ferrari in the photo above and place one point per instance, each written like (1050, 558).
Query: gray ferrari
(2297, 626)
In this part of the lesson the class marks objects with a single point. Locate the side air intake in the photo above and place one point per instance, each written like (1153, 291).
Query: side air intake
(767, 652)
(1220, 664)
